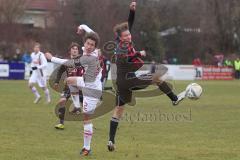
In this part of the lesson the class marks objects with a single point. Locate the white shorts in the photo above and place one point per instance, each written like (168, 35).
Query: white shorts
(89, 104)
(37, 78)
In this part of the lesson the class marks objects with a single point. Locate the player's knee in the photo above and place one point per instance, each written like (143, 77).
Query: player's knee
(118, 112)
(86, 118)
(30, 85)
(87, 122)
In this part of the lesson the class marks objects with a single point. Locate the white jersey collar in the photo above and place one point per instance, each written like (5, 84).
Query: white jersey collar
(94, 53)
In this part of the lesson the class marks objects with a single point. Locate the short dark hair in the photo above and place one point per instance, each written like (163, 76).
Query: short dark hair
(93, 36)
(74, 44)
(37, 44)
(119, 28)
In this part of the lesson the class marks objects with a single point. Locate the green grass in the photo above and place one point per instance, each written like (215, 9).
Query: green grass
(211, 132)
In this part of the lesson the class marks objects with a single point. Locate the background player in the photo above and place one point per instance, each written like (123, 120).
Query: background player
(38, 64)
(74, 54)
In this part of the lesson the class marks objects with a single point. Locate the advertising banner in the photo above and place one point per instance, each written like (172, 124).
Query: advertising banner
(4, 70)
(217, 73)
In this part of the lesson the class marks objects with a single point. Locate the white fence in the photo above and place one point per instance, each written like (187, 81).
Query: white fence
(175, 72)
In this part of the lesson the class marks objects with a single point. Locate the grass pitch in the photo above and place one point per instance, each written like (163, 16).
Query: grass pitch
(207, 129)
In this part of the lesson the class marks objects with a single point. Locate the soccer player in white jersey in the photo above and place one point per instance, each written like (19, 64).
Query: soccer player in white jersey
(90, 84)
(38, 65)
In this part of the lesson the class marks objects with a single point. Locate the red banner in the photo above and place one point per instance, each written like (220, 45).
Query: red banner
(217, 73)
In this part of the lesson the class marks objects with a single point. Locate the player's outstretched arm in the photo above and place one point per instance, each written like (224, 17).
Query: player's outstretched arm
(131, 16)
(143, 53)
(55, 59)
(83, 28)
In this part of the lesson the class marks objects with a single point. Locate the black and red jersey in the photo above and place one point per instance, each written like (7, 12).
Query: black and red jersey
(75, 71)
(127, 59)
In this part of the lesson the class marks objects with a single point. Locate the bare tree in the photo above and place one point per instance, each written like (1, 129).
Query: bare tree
(10, 11)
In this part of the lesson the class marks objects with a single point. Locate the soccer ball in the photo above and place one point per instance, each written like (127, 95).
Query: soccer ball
(193, 91)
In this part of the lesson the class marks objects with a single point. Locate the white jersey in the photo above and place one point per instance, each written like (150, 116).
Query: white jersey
(38, 75)
(39, 61)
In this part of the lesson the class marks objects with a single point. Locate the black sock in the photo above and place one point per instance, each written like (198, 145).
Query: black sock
(172, 96)
(164, 87)
(61, 113)
(113, 129)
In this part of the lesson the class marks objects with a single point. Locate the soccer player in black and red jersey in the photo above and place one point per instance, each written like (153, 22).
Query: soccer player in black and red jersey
(70, 72)
(128, 61)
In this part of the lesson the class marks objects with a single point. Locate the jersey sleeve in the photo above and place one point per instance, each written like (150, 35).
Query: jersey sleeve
(131, 18)
(58, 60)
(85, 28)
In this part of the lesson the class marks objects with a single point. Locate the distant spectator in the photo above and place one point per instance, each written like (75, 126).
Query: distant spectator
(197, 62)
(228, 63)
(153, 67)
(237, 68)
(165, 61)
(219, 59)
(174, 60)
(6, 57)
(17, 57)
(26, 58)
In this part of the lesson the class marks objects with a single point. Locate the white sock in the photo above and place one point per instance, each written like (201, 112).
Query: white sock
(47, 94)
(75, 96)
(35, 92)
(75, 99)
(87, 135)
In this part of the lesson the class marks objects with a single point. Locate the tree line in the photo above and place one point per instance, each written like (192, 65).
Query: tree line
(182, 29)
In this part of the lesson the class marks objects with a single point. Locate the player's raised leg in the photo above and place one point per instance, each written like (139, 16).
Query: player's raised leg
(159, 79)
(75, 84)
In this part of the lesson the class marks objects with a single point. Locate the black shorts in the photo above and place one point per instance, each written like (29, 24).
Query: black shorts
(126, 86)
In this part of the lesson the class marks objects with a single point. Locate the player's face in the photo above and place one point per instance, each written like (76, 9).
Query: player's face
(90, 46)
(74, 52)
(36, 49)
(126, 36)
